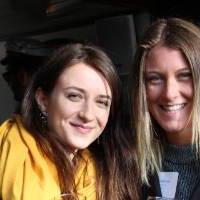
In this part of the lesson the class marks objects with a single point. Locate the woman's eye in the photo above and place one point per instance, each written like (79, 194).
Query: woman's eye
(185, 76)
(153, 79)
(74, 97)
(103, 103)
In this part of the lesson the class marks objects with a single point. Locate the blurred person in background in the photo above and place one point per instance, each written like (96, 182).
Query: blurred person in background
(23, 58)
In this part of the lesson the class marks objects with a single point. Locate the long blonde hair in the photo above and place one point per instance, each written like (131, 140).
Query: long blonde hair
(176, 34)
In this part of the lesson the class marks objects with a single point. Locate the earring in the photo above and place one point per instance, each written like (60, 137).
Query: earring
(44, 118)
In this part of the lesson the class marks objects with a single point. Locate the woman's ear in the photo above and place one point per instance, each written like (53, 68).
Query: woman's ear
(41, 99)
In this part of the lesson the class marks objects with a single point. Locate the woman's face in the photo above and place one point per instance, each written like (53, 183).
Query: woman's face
(79, 105)
(169, 88)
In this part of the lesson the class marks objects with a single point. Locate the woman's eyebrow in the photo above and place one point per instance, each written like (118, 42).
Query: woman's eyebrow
(105, 96)
(74, 88)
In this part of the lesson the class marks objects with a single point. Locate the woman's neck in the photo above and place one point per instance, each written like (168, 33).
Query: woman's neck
(180, 138)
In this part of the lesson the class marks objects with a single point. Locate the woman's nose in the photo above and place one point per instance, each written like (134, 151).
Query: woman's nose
(86, 113)
(171, 90)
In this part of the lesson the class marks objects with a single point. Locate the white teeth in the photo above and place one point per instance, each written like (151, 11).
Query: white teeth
(173, 107)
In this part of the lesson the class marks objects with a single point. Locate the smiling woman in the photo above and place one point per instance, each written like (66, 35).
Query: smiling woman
(68, 143)
(79, 105)
(170, 92)
(165, 104)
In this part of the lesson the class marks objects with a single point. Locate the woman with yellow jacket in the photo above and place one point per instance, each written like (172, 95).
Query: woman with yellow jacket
(72, 103)
(26, 174)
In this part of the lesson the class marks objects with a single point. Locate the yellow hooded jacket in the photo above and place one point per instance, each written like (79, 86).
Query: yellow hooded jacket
(25, 174)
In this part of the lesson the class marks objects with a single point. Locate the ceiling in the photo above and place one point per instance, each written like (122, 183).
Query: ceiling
(24, 17)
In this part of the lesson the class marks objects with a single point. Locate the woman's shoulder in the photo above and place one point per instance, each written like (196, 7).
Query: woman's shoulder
(12, 154)
(15, 136)
(23, 169)
(10, 134)
(5, 127)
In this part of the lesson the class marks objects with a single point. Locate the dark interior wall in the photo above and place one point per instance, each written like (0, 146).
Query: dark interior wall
(86, 33)
(32, 17)
(118, 37)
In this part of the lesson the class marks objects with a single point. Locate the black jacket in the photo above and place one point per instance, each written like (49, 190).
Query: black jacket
(154, 190)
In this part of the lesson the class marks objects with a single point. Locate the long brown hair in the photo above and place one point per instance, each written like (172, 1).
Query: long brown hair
(113, 153)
